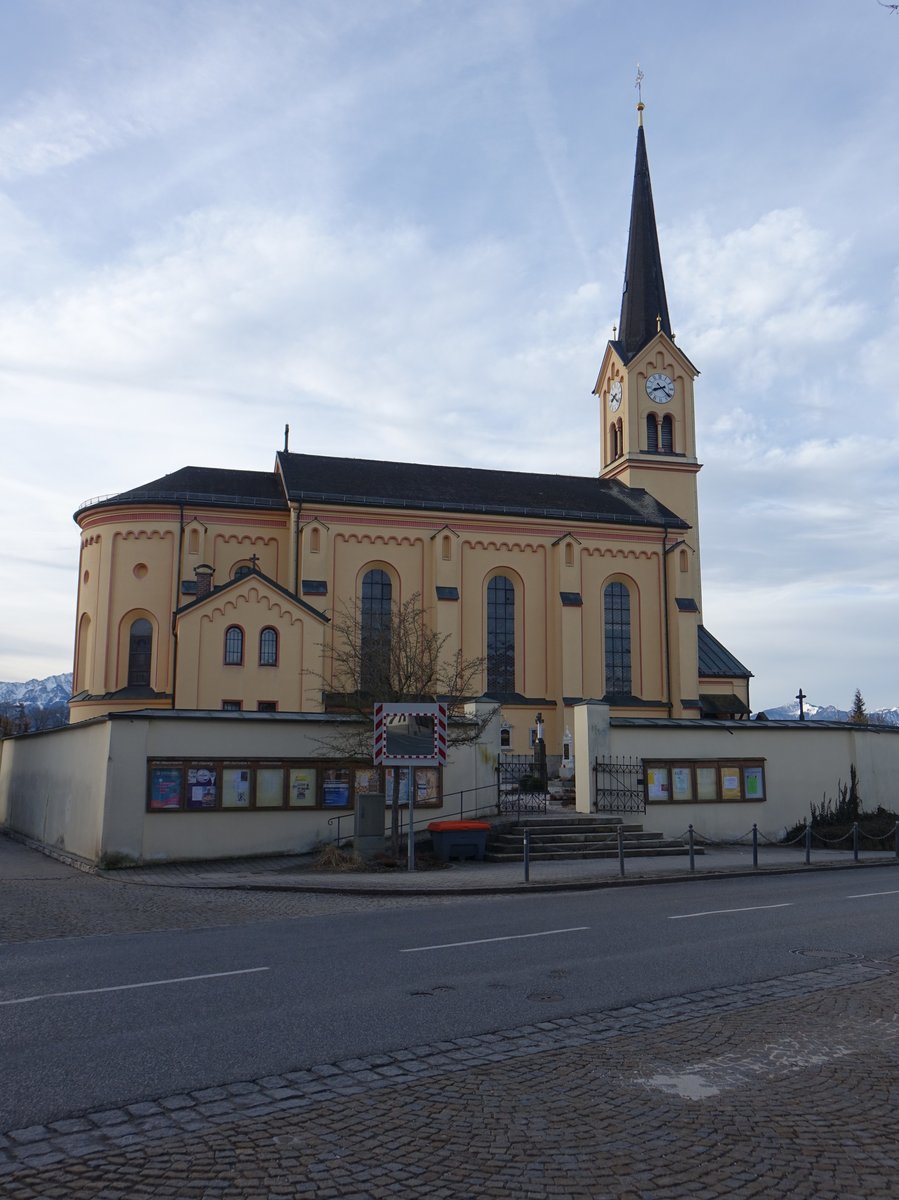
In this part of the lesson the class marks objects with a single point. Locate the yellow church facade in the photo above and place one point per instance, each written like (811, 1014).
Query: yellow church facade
(212, 589)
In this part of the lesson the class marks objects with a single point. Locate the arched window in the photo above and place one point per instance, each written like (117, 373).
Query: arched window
(500, 635)
(569, 554)
(233, 646)
(315, 541)
(667, 434)
(652, 433)
(193, 542)
(377, 599)
(617, 639)
(140, 649)
(447, 551)
(613, 442)
(268, 648)
(241, 571)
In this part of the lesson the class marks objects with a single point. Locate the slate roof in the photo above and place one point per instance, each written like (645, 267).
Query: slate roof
(366, 482)
(715, 660)
(319, 478)
(212, 486)
(643, 300)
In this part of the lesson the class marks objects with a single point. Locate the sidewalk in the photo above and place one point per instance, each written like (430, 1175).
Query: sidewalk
(297, 873)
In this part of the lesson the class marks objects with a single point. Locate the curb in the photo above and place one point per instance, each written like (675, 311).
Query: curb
(503, 889)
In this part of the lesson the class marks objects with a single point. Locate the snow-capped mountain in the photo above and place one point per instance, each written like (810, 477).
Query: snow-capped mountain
(55, 689)
(37, 704)
(827, 712)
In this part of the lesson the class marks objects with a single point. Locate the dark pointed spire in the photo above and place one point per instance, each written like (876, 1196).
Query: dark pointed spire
(644, 308)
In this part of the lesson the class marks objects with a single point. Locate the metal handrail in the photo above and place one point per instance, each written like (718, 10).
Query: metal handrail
(349, 814)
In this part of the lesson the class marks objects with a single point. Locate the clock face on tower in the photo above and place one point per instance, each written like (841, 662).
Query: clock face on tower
(615, 396)
(659, 388)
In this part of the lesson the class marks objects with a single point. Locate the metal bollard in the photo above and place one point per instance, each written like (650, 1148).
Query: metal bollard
(527, 855)
(692, 854)
(855, 840)
(755, 845)
(620, 851)
(808, 843)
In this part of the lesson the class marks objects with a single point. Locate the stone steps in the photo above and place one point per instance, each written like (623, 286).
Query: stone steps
(578, 838)
(651, 851)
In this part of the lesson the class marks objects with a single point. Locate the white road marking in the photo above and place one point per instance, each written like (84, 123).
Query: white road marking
(713, 912)
(124, 987)
(514, 937)
(865, 895)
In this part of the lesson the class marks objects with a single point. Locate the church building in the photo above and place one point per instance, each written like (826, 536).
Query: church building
(212, 589)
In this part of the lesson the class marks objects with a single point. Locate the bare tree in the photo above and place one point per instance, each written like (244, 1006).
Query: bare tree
(395, 658)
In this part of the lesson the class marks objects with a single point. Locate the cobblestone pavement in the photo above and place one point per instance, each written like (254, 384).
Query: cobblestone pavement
(785, 1088)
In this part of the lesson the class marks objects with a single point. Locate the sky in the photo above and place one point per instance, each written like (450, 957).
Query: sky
(400, 227)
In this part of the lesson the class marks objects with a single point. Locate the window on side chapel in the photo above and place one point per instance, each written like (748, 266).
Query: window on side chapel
(500, 635)
(377, 598)
(268, 648)
(617, 639)
(233, 646)
(140, 647)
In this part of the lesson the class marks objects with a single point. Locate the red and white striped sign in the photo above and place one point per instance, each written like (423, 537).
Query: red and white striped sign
(409, 735)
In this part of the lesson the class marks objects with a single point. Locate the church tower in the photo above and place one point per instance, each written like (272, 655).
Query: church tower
(645, 384)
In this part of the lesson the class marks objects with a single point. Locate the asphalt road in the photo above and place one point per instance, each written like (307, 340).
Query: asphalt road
(100, 1021)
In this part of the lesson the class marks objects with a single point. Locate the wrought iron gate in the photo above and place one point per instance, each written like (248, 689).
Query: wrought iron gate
(618, 785)
(513, 771)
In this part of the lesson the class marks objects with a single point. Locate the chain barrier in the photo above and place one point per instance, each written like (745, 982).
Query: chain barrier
(807, 838)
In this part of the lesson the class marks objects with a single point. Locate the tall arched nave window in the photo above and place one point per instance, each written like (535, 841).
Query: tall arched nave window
(617, 639)
(500, 634)
(375, 613)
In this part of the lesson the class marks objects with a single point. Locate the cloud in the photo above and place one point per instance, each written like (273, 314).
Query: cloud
(755, 296)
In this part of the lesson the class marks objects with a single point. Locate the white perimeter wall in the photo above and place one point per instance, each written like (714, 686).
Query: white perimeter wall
(84, 788)
(53, 786)
(803, 762)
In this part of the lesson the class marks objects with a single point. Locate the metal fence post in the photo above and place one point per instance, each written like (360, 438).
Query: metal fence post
(755, 845)
(461, 804)
(692, 853)
(527, 855)
(855, 840)
(620, 849)
(808, 843)
(897, 839)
